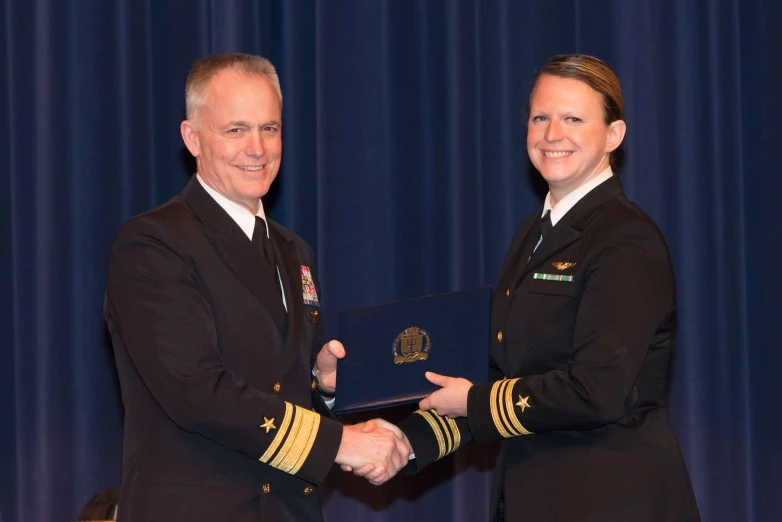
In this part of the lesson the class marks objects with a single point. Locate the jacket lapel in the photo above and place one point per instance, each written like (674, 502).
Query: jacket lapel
(559, 238)
(518, 245)
(289, 264)
(231, 243)
(570, 228)
(524, 251)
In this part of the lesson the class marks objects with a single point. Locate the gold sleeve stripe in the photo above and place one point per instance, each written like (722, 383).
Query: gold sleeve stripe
(296, 442)
(286, 420)
(446, 432)
(457, 435)
(513, 420)
(509, 408)
(289, 439)
(501, 397)
(436, 429)
(302, 444)
(493, 406)
(307, 447)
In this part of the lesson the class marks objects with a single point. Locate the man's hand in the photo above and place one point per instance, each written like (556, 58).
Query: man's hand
(451, 399)
(325, 368)
(378, 453)
(368, 471)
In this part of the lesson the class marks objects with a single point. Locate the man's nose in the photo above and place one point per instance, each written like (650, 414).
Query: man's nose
(255, 145)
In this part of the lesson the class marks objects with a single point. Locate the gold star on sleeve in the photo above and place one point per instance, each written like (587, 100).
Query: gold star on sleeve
(502, 411)
(523, 403)
(294, 439)
(268, 425)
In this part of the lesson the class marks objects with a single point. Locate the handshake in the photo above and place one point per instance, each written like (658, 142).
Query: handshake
(375, 450)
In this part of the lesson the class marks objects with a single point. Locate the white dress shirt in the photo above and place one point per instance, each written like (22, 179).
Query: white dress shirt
(243, 218)
(246, 222)
(565, 204)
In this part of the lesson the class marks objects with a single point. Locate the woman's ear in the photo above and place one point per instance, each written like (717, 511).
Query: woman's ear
(616, 133)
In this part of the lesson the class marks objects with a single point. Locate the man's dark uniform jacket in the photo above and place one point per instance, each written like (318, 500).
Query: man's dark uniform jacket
(582, 334)
(220, 419)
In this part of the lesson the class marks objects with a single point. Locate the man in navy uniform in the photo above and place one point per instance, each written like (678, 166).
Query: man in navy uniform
(214, 315)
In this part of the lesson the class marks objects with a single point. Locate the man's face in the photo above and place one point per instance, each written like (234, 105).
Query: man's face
(236, 137)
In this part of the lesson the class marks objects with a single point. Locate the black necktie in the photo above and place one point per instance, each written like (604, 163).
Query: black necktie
(268, 268)
(268, 262)
(545, 224)
(264, 245)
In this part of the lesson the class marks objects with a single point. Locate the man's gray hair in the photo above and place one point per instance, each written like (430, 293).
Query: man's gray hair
(205, 69)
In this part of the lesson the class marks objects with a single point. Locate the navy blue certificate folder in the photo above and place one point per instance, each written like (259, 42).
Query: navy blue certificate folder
(390, 346)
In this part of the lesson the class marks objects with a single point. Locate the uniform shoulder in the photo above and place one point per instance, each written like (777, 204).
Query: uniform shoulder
(627, 217)
(174, 215)
(302, 246)
(287, 233)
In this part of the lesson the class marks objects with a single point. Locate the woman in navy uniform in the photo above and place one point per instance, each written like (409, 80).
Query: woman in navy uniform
(583, 321)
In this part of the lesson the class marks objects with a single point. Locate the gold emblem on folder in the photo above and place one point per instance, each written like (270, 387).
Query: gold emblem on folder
(562, 266)
(412, 345)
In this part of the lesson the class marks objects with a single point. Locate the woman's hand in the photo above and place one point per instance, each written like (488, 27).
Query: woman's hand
(451, 399)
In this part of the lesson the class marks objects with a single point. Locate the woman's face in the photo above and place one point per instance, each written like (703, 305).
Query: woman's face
(568, 140)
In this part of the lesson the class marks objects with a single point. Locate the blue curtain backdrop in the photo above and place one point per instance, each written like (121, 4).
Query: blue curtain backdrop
(405, 167)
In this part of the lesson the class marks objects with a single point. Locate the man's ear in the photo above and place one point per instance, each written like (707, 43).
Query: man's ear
(190, 137)
(616, 133)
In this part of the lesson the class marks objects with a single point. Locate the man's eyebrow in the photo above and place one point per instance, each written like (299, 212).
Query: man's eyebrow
(243, 123)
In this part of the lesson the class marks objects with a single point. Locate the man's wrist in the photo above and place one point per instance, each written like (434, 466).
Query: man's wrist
(327, 396)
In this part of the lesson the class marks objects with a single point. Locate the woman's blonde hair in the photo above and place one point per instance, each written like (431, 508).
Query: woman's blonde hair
(593, 72)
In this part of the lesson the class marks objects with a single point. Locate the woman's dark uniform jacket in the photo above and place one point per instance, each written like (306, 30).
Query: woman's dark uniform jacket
(580, 369)
(219, 420)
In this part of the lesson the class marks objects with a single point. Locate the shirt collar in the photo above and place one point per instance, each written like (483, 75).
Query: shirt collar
(238, 213)
(569, 201)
